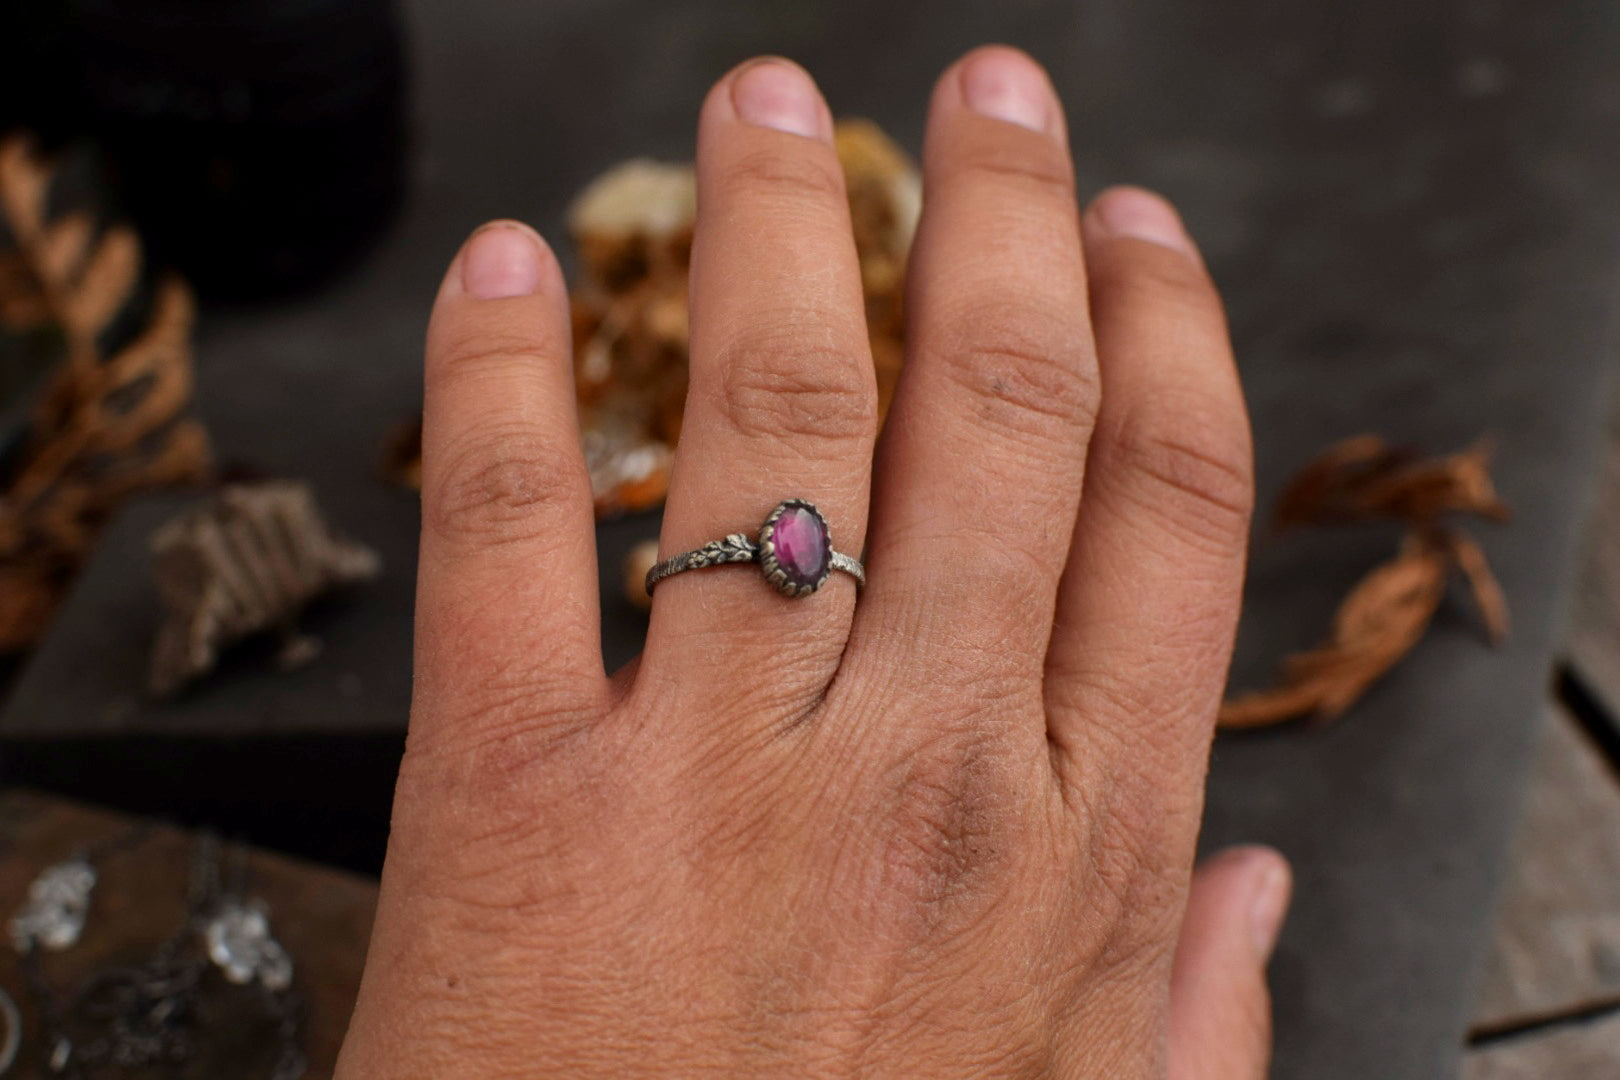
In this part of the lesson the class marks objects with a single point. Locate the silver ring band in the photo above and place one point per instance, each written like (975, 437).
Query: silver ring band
(794, 552)
(13, 1040)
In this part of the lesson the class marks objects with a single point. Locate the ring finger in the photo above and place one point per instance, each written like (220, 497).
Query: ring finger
(782, 398)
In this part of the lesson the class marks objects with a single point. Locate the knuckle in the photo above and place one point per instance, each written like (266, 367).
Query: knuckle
(1131, 884)
(1253, 1007)
(945, 824)
(513, 758)
(977, 620)
(1037, 167)
(1031, 369)
(775, 383)
(1191, 466)
(501, 485)
(1147, 284)
(1134, 749)
(468, 350)
(803, 174)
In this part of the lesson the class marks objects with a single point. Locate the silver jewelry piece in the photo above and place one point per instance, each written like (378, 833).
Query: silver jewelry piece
(58, 901)
(13, 1041)
(240, 945)
(136, 1015)
(794, 551)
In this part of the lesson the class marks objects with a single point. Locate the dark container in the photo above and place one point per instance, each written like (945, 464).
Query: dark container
(259, 144)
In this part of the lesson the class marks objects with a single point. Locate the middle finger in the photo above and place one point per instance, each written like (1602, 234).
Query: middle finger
(978, 478)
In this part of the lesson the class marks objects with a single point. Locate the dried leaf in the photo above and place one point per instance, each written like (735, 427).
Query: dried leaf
(28, 595)
(638, 562)
(1381, 619)
(1488, 595)
(1320, 484)
(1386, 600)
(22, 303)
(106, 425)
(1262, 708)
(402, 453)
(1364, 478)
(63, 246)
(24, 180)
(102, 287)
(1386, 614)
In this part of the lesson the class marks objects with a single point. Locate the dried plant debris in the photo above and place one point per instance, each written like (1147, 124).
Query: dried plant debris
(638, 562)
(1364, 478)
(632, 228)
(402, 453)
(114, 416)
(1386, 614)
(247, 561)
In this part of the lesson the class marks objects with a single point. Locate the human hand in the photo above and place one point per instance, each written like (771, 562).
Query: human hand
(945, 831)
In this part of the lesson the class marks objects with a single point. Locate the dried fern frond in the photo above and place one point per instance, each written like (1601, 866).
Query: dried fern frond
(113, 418)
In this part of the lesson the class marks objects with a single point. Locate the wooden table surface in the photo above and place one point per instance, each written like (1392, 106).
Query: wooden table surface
(321, 916)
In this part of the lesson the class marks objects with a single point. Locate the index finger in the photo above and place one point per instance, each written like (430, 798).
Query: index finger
(507, 604)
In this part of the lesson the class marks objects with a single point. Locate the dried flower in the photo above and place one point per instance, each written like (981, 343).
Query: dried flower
(632, 227)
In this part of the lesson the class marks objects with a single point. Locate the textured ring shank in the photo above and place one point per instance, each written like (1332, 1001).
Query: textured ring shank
(13, 1042)
(850, 566)
(736, 548)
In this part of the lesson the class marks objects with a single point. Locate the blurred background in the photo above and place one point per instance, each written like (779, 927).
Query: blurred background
(222, 224)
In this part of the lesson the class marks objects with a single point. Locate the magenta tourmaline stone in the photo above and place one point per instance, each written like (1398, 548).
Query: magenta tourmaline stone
(801, 545)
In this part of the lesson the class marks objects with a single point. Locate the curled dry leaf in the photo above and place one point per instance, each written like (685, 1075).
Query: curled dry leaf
(632, 228)
(1488, 596)
(1387, 613)
(1364, 478)
(1381, 619)
(113, 418)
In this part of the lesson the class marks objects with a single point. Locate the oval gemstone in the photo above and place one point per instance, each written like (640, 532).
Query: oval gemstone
(802, 550)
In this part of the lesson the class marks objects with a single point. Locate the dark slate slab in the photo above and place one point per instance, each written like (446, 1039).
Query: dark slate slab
(1414, 211)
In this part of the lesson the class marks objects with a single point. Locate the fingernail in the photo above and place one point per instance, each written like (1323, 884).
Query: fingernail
(1142, 215)
(1007, 85)
(501, 260)
(776, 94)
(1268, 906)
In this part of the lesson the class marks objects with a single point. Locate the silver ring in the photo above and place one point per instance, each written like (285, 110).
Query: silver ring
(13, 1040)
(794, 552)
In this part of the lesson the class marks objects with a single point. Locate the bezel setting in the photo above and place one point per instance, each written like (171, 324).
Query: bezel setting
(782, 579)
